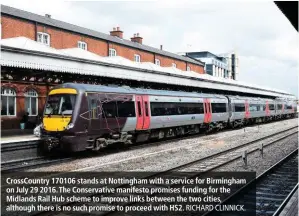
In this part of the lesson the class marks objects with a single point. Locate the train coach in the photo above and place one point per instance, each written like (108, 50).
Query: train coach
(78, 117)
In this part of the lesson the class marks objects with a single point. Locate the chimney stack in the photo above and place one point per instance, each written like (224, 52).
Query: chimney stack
(137, 38)
(161, 47)
(116, 32)
(48, 15)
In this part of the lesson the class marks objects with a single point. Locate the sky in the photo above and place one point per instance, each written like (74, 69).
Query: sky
(262, 37)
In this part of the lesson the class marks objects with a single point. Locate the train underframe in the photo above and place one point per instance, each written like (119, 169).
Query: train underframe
(153, 134)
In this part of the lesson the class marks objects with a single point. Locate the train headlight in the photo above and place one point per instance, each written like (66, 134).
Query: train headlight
(69, 126)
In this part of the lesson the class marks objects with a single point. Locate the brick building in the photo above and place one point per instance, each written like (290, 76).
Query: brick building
(21, 95)
(62, 35)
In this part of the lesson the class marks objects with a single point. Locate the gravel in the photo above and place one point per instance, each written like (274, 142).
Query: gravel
(158, 157)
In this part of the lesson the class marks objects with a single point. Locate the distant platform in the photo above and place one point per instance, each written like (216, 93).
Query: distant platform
(20, 138)
(16, 132)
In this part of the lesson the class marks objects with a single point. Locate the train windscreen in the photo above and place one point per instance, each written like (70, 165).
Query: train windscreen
(60, 104)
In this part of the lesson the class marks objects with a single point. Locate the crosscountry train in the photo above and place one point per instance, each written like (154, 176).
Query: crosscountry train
(78, 117)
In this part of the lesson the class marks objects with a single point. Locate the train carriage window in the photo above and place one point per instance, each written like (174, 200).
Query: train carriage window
(218, 107)
(239, 107)
(161, 109)
(93, 108)
(139, 108)
(109, 109)
(288, 106)
(264, 107)
(257, 107)
(254, 107)
(271, 107)
(199, 108)
(126, 109)
(146, 108)
(279, 106)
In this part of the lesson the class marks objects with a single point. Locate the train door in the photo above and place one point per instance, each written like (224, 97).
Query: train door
(207, 110)
(209, 105)
(142, 112)
(109, 121)
(146, 109)
(267, 109)
(247, 113)
(94, 117)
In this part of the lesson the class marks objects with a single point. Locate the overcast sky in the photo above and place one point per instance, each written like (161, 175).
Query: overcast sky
(266, 42)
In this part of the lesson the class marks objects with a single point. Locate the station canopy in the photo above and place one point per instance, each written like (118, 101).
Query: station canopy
(22, 52)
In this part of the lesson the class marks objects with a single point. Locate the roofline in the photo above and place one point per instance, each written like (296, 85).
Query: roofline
(40, 53)
(196, 59)
(204, 52)
(103, 39)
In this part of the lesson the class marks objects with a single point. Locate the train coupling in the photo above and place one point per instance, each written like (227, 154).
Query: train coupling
(50, 143)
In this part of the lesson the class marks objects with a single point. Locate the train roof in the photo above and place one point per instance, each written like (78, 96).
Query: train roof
(130, 90)
(236, 97)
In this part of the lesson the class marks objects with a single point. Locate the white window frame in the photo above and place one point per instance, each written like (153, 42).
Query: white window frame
(82, 45)
(112, 52)
(188, 68)
(43, 35)
(174, 65)
(31, 93)
(137, 58)
(158, 62)
(11, 93)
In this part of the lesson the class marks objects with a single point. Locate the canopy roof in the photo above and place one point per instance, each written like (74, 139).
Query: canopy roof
(26, 53)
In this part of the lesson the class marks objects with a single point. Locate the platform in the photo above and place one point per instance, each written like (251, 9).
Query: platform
(16, 132)
(20, 138)
(291, 209)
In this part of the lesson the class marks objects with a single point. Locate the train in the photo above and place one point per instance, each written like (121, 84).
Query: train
(80, 117)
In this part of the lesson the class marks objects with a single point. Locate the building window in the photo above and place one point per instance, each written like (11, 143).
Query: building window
(157, 62)
(112, 52)
(137, 58)
(188, 68)
(82, 45)
(31, 102)
(43, 38)
(174, 65)
(8, 102)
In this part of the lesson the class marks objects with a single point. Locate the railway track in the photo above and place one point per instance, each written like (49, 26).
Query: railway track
(37, 160)
(235, 153)
(22, 164)
(272, 189)
(206, 164)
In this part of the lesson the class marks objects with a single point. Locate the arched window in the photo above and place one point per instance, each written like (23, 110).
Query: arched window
(8, 102)
(137, 58)
(157, 62)
(31, 102)
(112, 52)
(43, 38)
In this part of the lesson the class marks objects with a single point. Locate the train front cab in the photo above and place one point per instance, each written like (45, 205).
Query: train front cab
(58, 120)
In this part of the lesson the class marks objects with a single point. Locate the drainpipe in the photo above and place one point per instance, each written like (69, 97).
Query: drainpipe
(108, 48)
(35, 31)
